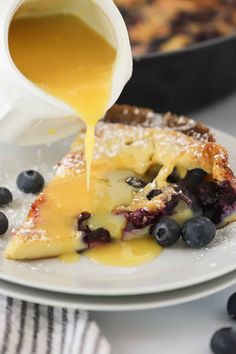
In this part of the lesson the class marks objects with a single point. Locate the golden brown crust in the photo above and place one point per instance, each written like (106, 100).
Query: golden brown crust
(145, 117)
(130, 115)
(187, 126)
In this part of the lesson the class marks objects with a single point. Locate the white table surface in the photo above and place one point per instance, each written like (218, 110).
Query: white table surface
(183, 329)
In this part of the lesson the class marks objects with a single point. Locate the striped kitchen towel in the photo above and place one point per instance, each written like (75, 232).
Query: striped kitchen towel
(27, 328)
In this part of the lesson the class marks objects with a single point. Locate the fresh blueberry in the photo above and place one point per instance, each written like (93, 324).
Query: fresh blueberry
(231, 306)
(5, 196)
(166, 232)
(3, 223)
(194, 178)
(153, 193)
(224, 341)
(30, 182)
(136, 182)
(198, 232)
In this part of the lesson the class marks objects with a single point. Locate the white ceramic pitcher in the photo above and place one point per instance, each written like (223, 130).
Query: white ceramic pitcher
(27, 114)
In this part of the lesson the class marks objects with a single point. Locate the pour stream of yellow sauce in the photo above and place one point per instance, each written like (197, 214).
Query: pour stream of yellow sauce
(72, 62)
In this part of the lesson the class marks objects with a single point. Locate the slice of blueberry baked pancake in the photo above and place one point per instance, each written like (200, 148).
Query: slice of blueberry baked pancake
(145, 168)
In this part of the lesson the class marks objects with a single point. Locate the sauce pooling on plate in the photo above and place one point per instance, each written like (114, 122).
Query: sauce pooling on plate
(69, 60)
(125, 253)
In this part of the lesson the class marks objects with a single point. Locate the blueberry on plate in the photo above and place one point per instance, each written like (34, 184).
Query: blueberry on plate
(3, 223)
(136, 182)
(30, 182)
(198, 232)
(224, 341)
(166, 232)
(231, 306)
(5, 196)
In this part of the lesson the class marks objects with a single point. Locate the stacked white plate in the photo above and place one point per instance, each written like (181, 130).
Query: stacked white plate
(178, 275)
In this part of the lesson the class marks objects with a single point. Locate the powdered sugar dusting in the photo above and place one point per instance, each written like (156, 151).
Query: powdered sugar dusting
(15, 159)
(164, 144)
(224, 241)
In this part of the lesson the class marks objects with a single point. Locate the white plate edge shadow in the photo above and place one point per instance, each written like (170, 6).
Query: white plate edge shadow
(123, 303)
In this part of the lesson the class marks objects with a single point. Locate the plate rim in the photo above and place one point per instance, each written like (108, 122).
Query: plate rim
(189, 294)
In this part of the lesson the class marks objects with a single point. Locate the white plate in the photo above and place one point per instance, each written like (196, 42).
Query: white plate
(119, 303)
(176, 268)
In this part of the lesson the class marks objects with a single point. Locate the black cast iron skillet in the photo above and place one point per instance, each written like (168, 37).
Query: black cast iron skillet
(183, 80)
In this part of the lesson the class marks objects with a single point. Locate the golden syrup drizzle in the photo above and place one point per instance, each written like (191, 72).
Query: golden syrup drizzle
(66, 197)
(70, 258)
(125, 253)
(89, 147)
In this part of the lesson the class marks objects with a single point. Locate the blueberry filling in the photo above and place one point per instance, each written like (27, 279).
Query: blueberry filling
(171, 204)
(156, 43)
(141, 218)
(185, 196)
(83, 217)
(184, 18)
(206, 35)
(99, 235)
(91, 237)
(208, 194)
(173, 177)
(193, 179)
(217, 200)
(153, 193)
(197, 204)
(196, 207)
(203, 197)
(136, 182)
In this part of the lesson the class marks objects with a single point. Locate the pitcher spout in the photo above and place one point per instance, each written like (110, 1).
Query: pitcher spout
(28, 115)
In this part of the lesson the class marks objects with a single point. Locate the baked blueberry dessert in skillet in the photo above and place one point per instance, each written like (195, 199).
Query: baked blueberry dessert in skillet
(152, 176)
(167, 25)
